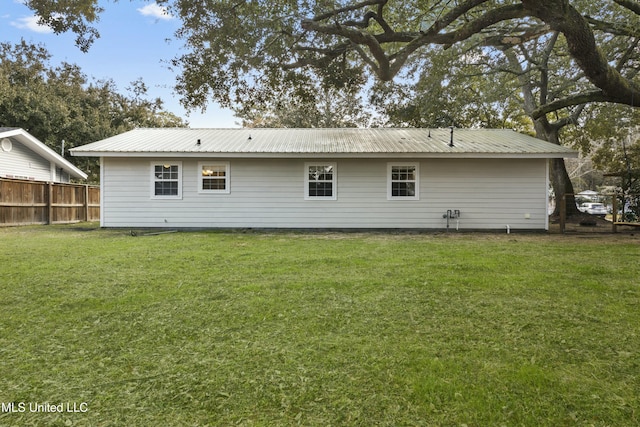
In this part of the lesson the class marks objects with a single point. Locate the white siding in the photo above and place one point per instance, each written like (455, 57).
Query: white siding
(23, 163)
(269, 193)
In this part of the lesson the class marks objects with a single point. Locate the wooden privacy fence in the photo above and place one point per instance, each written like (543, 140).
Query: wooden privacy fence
(36, 202)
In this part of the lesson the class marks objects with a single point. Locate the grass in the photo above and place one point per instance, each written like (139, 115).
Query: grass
(258, 329)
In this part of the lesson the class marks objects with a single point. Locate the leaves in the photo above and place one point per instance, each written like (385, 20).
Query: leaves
(69, 15)
(235, 50)
(59, 102)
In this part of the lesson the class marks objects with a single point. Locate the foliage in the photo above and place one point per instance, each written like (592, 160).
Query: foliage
(309, 106)
(319, 329)
(56, 103)
(236, 51)
(278, 43)
(69, 15)
(617, 152)
(612, 128)
(453, 87)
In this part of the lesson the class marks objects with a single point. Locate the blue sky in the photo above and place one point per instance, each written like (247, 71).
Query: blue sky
(132, 44)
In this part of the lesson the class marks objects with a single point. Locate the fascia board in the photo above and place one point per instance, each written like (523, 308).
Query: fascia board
(326, 155)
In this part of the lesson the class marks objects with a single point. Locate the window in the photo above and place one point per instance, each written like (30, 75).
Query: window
(320, 181)
(166, 180)
(402, 181)
(214, 177)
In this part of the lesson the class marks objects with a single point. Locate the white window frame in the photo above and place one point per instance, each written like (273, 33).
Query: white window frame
(154, 179)
(227, 178)
(390, 180)
(334, 181)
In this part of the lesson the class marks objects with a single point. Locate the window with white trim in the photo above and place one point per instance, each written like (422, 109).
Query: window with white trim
(403, 181)
(320, 181)
(214, 177)
(166, 180)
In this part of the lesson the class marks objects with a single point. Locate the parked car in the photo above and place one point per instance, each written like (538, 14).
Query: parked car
(593, 209)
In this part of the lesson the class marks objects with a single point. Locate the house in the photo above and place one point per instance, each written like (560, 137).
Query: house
(324, 178)
(22, 156)
(587, 195)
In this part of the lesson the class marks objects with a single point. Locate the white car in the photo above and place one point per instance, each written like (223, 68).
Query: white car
(593, 209)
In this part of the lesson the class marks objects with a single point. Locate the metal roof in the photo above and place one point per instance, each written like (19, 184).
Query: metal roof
(343, 142)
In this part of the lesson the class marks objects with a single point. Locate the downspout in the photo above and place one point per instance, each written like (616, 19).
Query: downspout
(102, 181)
(52, 172)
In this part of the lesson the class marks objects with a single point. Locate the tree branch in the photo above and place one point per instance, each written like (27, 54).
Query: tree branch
(632, 5)
(563, 17)
(388, 66)
(358, 37)
(491, 17)
(544, 68)
(327, 55)
(473, 27)
(503, 42)
(570, 101)
(350, 8)
(615, 28)
(627, 55)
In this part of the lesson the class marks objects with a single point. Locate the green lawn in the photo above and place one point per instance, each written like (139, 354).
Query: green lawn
(259, 329)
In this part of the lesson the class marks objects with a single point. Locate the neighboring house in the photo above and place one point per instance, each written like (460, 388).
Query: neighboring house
(22, 156)
(324, 178)
(588, 195)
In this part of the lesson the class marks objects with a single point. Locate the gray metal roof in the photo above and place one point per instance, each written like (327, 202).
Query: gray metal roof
(349, 142)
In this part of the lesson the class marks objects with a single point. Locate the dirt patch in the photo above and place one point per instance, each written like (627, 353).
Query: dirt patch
(585, 224)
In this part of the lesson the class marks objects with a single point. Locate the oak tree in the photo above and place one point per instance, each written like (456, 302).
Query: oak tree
(237, 52)
(236, 49)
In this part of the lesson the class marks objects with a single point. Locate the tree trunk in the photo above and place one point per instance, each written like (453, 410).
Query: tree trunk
(562, 187)
(560, 181)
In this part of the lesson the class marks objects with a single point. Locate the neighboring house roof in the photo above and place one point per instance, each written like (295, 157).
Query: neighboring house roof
(588, 193)
(343, 142)
(41, 149)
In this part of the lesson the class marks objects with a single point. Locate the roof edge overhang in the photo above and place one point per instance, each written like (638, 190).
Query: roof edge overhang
(41, 149)
(454, 155)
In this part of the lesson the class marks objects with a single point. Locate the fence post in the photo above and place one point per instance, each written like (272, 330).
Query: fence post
(614, 214)
(50, 204)
(563, 213)
(86, 202)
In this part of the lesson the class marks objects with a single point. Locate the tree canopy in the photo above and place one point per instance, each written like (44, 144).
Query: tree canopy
(237, 51)
(58, 102)
(314, 106)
